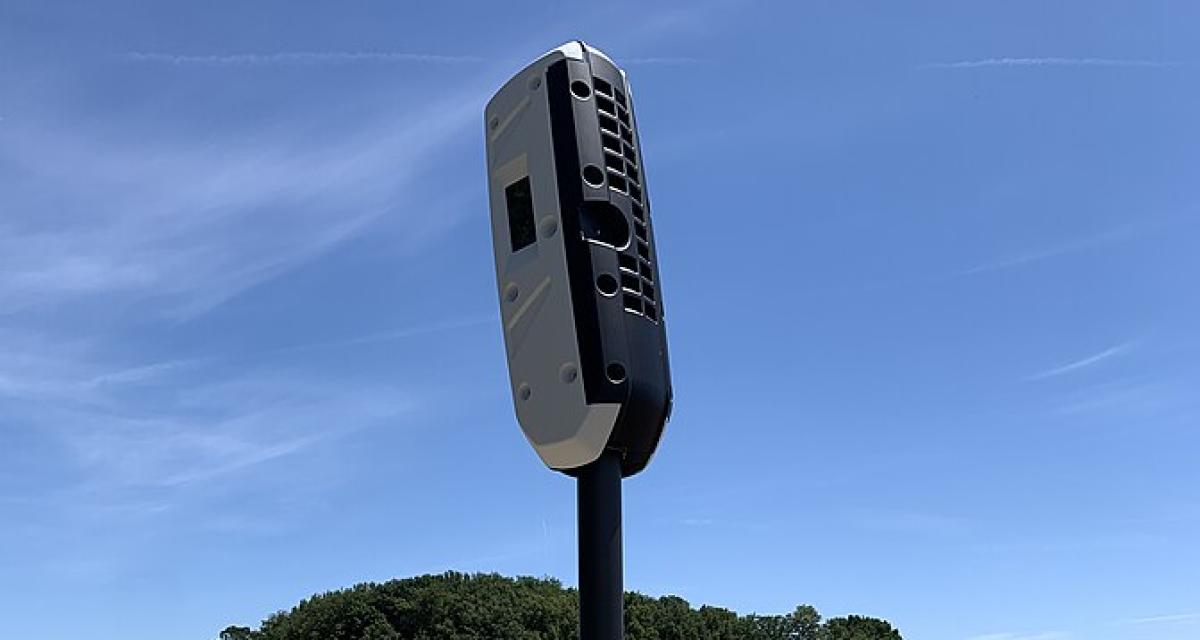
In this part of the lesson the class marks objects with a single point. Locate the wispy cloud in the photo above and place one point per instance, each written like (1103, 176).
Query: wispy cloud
(1068, 247)
(399, 334)
(1177, 617)
(296, 57)
(89, 447)
(1085, 362)
(170, 424)
(198, 426)
(1054, 62)
(144, 373)
(351, 57)
(665, 61)
(1165, 399)
(189, 222)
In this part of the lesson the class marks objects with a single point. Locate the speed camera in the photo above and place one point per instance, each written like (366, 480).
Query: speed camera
(576, 266)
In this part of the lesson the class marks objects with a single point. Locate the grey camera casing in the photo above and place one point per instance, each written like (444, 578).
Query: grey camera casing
(576, 265)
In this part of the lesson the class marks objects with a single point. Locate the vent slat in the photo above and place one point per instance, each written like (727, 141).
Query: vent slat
(605, 105)
(609, 124)
(617, 181)
(628, 263)
(610, 142)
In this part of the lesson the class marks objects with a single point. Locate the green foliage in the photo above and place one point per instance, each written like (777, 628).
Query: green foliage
(859, 628)
(456, 606)
(237, 633)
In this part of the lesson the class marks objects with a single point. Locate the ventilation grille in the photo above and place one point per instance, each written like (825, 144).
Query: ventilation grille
(616, 134)
(638, 291)
(637, 274)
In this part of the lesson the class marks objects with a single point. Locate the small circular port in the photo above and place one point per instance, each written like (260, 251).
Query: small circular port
(581, 90)
(607, 284)
(569, 373)
(593, 175)
(511, 292)
(524, 391)
(615, 372)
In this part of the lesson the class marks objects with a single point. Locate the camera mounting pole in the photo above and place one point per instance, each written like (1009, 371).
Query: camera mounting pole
(601, 579)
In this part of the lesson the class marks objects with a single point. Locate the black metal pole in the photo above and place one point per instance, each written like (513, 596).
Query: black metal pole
(601, 582)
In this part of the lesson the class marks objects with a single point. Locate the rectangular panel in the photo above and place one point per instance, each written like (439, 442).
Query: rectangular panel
(519, 199)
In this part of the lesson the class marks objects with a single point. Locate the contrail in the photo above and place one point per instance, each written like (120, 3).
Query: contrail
(665, 61)
(1084, 362)
(1179, 617)
(1053, 62)
(295, 57)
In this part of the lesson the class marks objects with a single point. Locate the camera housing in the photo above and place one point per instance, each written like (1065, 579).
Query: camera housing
(576, 264)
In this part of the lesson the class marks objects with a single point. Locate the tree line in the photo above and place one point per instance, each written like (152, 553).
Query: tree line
(458, 606)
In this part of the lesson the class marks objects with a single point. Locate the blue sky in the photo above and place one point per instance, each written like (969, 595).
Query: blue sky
(930, 275)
